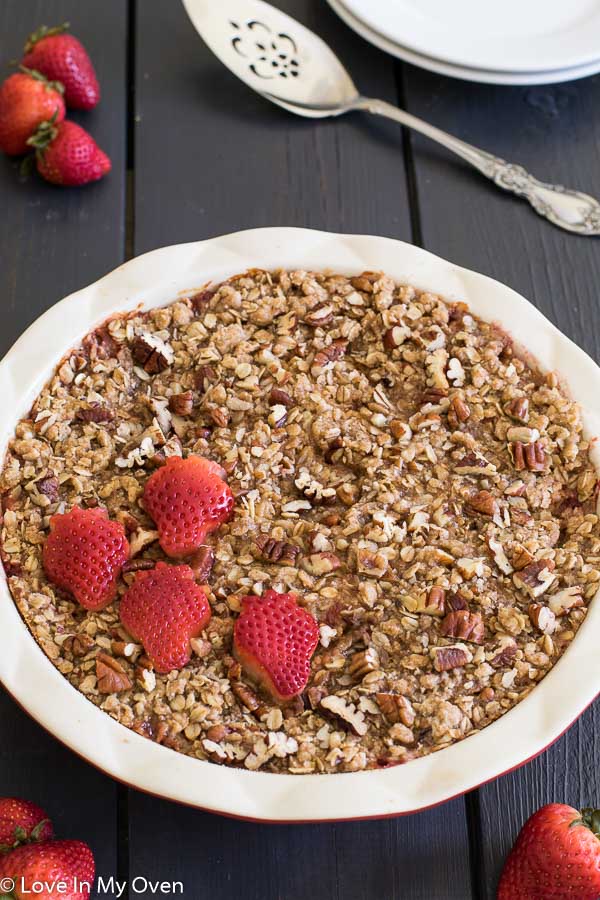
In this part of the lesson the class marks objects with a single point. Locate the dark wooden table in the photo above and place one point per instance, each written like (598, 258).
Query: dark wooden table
(195, 154)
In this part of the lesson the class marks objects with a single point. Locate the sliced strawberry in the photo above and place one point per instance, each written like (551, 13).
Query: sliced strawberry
(84, 553)
(163, 609)
(274, 640)
(22, 822)
(187, 498)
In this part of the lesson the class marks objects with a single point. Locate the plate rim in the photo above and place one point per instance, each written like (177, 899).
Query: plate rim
(31, 678)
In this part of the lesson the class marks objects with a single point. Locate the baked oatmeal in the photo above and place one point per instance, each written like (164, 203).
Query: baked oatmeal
(424, 493)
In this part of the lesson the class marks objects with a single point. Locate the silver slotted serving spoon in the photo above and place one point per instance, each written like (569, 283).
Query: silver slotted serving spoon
(289, 65)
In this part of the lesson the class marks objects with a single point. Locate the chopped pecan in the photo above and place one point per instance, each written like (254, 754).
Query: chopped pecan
(100, 344)
(79, 644)
(181, 404)
(528, 456)
(219, 416)
(400, 430)
(173, 447)
(279, 397)
(483, 503)
(504, 655)
(474, 464)
(320, 563)
(217, 733)
(446, 658)
(521, 557)
(463, 624)
(315, 694)
(111, 675)
(460, 409)
(139, 564)
(564, 601)
(395, 337)
(363, 662)
(396, 708)
(320, 315)
(152, 354)
(436, 601)
(202, 562)
(204, 377)
(455, 600)
(247, 697)
(542, 617)
(200, 300)
(518, 409)
(331, 353)
(48, 486)
(95, 412)
(200, 647)
(433, 395)
(329, 454)
(346, 712)
(369, 562)
(535, 578)
(520, 516)
(277, 551)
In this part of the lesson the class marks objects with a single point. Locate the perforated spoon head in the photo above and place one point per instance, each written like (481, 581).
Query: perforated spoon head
(274, 55)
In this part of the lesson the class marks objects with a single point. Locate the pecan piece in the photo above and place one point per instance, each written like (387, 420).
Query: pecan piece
(277, 397)
(446, 658)
(48, 486)
(395, 337)
(204, 377)
(78, 644)
(396, 708)
(100, 344)
(200, 300)
(433, 395)
(320, 563)
(363, 662)
(331, 353)
(181, 404)
(111, 675)
(521, 557)
(455, 600)
(346, 712)
(542, 617)
(535, 578)
(436, 601)
(518, 409)
(138, 565)
(528, 456)
(329, 454)
(320, 315)
(463, 624)
(219, 416)
(473, 464)
(277, 551)
(460, 409)
(95, 412)
(483, 503)
(202, 562)
(564, 601)
(152, 354)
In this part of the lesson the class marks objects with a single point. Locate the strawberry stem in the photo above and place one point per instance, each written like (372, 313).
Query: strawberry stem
(45, 134)
(51, 85)
(590, 817)
(44, 32)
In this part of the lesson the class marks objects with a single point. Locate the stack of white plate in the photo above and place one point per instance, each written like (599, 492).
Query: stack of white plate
(512, 42)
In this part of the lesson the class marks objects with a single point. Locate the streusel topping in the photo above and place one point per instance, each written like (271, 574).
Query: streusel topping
(424, 492)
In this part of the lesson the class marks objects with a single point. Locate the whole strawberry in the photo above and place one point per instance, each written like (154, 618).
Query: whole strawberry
(61, 57)
(27, 99)
(22, 822)
(84, 554)
(274, 640)
(163, 609)
(66, 154)
(556, 856)
(63, 870)
(187, 498)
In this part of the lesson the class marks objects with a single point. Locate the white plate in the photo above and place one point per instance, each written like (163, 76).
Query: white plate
(485, 76)
(512, 36)
(156, 279)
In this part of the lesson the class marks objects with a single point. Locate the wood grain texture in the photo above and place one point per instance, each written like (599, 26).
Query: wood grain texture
(555, 132)
(53, 241)
(229, 160)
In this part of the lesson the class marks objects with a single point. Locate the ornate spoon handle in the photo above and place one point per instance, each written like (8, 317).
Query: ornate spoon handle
(571, 210)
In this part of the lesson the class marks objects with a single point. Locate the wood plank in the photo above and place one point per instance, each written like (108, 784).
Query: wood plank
(554, 132)
(228, 160)
(53, 241)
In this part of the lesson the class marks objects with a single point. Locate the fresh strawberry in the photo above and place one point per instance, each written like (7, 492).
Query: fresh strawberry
(274, 640)
(187, 498)
(26, 100)
(67, 154)
(556, 856)
(63, 870)
(163, 609)
(63, 58)
(84, 553)
(22, 822)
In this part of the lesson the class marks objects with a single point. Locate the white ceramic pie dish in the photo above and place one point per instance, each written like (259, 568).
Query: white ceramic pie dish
(156, 279)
